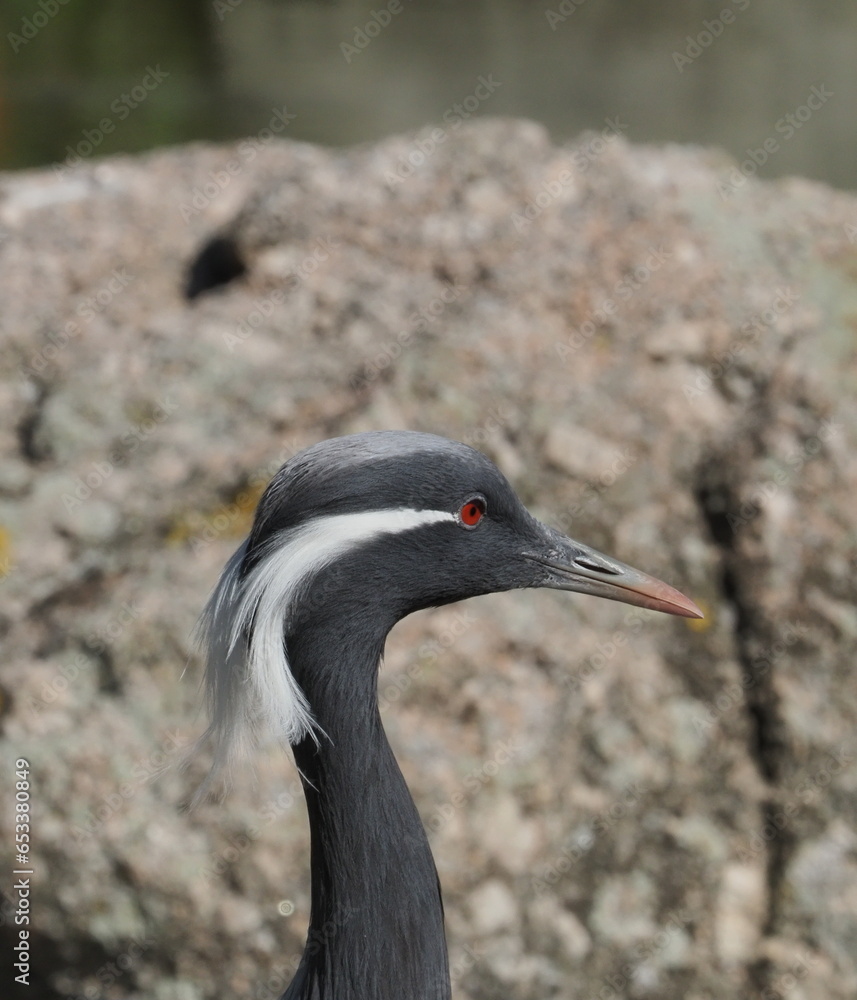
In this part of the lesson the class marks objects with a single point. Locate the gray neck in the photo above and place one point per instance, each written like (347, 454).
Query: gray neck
(376, 925)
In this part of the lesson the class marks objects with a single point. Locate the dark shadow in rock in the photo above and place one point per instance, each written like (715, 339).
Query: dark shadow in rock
(217, 263)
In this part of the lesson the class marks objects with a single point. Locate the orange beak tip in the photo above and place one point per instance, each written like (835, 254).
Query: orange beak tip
(701, 621)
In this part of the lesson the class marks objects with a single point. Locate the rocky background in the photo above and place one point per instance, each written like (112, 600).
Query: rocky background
(660, 354)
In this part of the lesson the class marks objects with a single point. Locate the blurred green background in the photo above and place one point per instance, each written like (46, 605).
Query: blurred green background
(571, 64)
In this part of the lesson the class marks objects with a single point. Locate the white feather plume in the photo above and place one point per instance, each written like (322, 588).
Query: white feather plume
(250, 687)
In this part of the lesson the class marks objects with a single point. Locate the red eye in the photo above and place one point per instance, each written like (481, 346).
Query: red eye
(471, 513)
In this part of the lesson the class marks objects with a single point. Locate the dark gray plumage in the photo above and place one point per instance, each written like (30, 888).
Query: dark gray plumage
(352, 535)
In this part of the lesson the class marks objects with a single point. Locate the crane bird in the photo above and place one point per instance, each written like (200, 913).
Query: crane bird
(352, 535)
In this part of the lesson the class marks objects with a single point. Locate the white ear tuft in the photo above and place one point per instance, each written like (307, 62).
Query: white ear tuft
(250, 687)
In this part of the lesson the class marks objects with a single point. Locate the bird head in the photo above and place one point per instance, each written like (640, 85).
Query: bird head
(369, 528)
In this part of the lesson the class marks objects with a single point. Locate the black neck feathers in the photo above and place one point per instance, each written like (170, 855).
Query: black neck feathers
(376, 925)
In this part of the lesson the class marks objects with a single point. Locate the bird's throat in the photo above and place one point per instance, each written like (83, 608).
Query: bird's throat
(376, 926)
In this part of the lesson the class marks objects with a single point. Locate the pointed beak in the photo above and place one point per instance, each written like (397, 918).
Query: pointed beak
(569, 565)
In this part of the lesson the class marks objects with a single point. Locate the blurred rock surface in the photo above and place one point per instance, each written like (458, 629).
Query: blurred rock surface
(664, 364)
